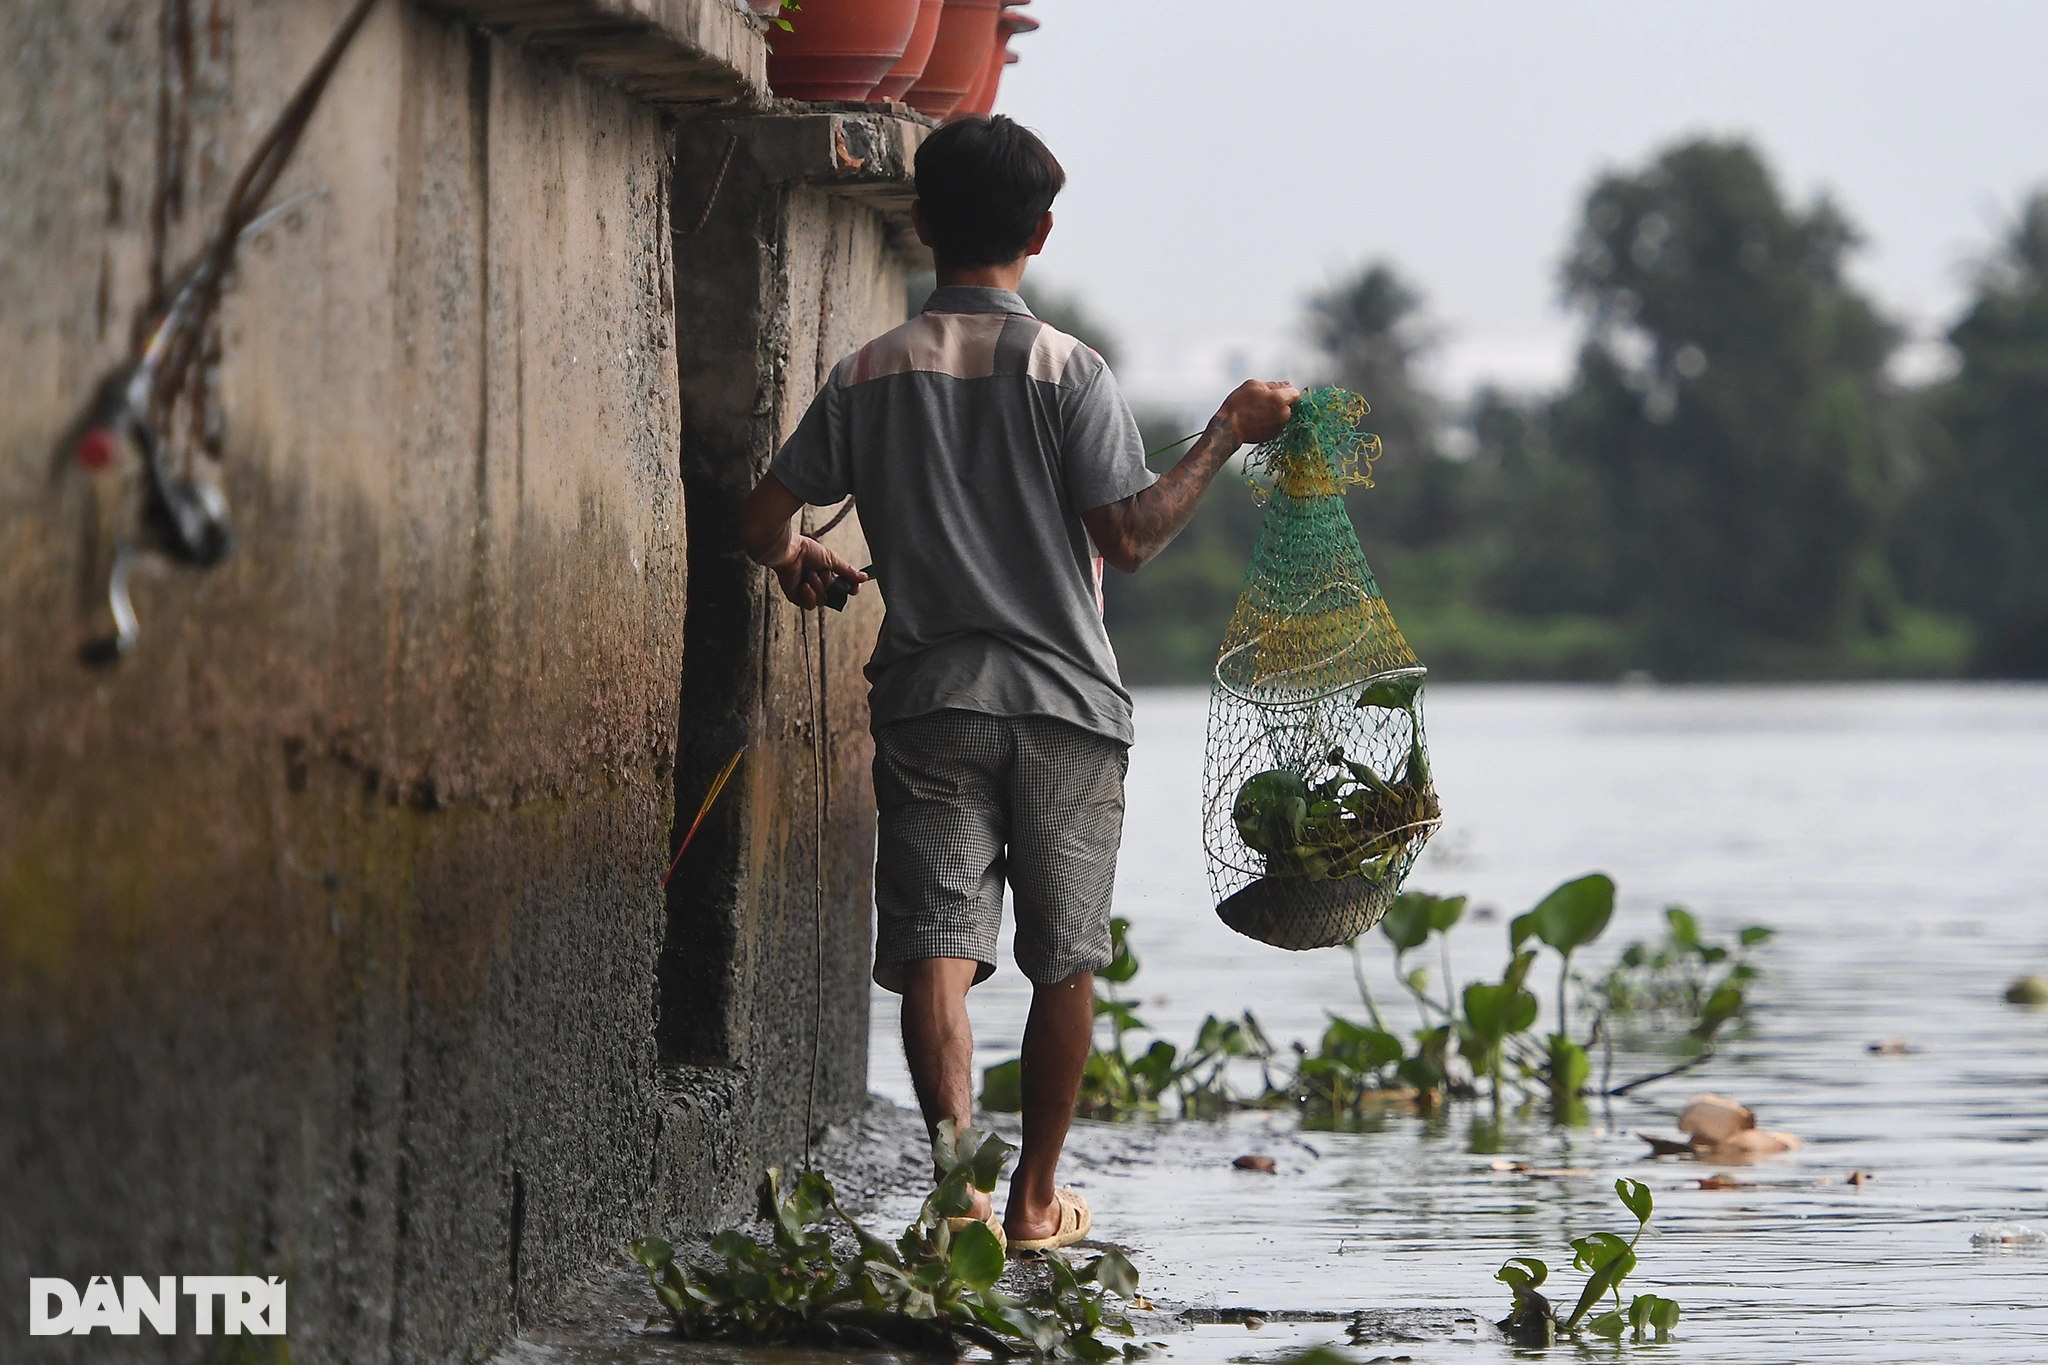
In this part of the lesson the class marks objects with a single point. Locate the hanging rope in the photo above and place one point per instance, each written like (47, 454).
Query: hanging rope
(845, 510)
(814, 691)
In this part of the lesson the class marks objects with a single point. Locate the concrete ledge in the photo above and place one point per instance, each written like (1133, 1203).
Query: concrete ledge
(864, 152)
(679, 54)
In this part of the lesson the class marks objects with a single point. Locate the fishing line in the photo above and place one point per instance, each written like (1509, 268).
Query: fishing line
(814, 691)
(1171, 444)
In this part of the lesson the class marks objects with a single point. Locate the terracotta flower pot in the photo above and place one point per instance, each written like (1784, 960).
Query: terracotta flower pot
(959, 56)
(839, 49)
(916, 53)
(982, 98)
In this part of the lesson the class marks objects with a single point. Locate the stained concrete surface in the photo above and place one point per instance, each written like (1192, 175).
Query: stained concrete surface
(329, 911)
(763, 989)
(330, 917)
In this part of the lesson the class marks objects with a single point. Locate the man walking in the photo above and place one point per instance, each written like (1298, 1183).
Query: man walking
(996, 467)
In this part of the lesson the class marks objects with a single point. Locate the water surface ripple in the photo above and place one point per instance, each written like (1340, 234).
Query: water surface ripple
(1894, 837)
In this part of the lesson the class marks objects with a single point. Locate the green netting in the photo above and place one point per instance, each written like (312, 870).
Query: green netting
(1316, 789)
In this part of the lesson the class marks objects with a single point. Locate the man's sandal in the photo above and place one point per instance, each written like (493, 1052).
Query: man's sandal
(1075, 1220)
(992, 1223)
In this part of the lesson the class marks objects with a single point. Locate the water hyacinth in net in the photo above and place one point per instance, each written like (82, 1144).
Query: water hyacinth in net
(1316, 787)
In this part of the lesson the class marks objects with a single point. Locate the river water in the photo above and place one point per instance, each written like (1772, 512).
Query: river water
(1897, 839)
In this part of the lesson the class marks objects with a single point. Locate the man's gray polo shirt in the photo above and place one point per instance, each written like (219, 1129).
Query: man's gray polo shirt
(973, 437)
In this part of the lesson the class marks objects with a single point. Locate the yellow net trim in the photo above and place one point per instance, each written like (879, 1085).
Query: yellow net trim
(1269, 651)
(1326, 453)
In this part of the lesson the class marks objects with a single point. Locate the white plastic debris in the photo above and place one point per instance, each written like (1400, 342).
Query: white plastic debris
(2009, 1235)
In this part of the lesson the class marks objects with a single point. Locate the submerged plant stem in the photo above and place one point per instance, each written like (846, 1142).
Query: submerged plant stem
(1364, 990)
(1706, 1055)
(1450, 981)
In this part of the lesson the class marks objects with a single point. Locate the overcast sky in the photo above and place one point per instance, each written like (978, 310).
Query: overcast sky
(1227, 157)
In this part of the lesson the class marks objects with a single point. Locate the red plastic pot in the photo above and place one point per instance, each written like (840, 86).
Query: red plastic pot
(967, 28)
(916, 53)
(982, 98)
(839, 49)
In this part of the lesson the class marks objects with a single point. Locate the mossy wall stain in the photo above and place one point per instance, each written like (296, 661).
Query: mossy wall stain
(327, 918)
(332, 939)
(752, 975)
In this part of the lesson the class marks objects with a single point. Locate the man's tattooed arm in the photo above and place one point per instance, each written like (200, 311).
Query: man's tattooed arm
(1129, 533)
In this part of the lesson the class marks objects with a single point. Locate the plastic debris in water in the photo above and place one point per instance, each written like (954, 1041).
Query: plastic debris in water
(2009, 1235)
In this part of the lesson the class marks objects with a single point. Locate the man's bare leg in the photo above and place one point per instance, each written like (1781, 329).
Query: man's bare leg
(1056, 1040)
(938, 1042)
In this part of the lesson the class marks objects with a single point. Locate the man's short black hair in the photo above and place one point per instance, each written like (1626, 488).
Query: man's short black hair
(984, 184)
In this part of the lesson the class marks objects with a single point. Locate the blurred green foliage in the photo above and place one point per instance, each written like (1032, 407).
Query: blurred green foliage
(1972, 538)
(1730, 485)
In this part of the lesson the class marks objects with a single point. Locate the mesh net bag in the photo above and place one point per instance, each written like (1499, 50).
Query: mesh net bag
(1316, 787)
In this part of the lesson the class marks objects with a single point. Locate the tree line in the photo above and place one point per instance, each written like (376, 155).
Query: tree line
(1729, 485)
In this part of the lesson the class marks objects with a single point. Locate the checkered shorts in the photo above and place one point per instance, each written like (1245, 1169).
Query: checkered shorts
(969, 801)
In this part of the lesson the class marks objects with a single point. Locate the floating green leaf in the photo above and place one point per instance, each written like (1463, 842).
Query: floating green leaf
(1120, 1014)
(1394, 691)
(987, 1161)
(977, 1257)
(932, 1291)
(1522, 1274)
(1123, 964)
(1636, 1198)
(1114, 1272)
(1684, 927)
(1407, 920)
(1569, 1068)
(1609, 1260)
(1569, 917)
(1493, 1012)
(1727, 1001)
(652, 1252)
(1360, 1048)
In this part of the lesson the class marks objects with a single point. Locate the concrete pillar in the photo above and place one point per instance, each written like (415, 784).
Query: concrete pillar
(798, 259)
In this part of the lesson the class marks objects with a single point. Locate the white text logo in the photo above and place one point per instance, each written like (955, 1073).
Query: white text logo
(248, 1303)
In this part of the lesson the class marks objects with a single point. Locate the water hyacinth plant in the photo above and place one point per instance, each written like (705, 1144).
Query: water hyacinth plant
(1116, 1084)
(1607, 1261)
(1478, 1041)
(932, 1289)
(1686, 977)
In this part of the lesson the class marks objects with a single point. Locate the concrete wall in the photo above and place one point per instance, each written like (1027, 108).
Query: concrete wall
(331, 936)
